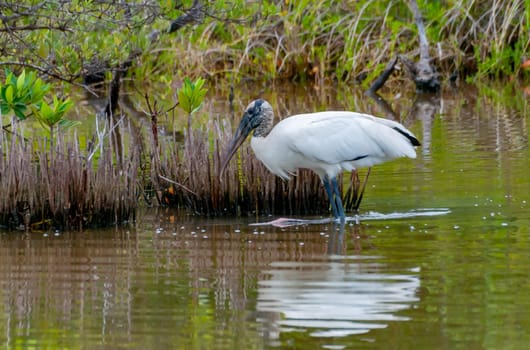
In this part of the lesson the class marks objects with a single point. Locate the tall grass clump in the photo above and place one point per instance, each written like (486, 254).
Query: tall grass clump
(329, 40)
(489, 38)
(64, 180)
(67, 190)
(51, 181)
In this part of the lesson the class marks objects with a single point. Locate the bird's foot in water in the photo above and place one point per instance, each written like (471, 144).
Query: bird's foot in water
(288, 222)
(356, 218)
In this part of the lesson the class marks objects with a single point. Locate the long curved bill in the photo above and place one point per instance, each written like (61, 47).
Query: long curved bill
(245, 127)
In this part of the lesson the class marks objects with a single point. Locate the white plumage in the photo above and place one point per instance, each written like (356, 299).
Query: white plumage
(329, 143)
(326, 142)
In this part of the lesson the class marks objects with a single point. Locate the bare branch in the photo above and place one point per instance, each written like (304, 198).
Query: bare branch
(61, 28)
(45, 71)
(424, 43)
(178, 184)
(194, 15)
(380, 81)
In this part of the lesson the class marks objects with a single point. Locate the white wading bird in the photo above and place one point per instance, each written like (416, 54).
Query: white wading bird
(325, 142)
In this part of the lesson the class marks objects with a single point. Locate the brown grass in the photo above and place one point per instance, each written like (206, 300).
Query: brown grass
(61, 187)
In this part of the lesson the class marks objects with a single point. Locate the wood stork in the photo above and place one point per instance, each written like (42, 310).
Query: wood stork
(325, 142)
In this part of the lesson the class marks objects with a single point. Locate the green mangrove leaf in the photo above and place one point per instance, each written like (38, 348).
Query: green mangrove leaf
(191, 95)
(47, 114)
(197, 108)
(9, 94)
(39, 90)
(20, 110)
(61, 107)
(21, 80)
(4, 107)
(10, 78)
(66, 123)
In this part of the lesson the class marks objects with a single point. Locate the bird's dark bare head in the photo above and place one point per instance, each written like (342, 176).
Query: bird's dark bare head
(258, 116)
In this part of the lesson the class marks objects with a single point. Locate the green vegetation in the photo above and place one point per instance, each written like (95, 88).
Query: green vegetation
(54, 183)
(301, 40)
(22, 94)
(191, 95)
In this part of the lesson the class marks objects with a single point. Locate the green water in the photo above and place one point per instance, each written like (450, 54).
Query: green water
(441, 259)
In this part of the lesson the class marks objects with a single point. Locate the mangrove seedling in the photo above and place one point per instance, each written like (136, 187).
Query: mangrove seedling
(22, 95)
(191, 96)
(51, 115)
(190, 99)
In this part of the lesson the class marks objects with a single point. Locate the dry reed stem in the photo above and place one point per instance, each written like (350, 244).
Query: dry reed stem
(66, 190)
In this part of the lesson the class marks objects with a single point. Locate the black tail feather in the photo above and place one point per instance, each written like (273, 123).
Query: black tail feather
(410, 137)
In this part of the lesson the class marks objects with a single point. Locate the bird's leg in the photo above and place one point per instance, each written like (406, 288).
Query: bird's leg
(329, 191)
(338, 200)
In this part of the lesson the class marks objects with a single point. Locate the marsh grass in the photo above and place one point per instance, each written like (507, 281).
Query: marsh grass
(329, 40)
(61, 187)
(492, 35)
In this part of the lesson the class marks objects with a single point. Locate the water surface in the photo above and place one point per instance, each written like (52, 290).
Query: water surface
(440, 260)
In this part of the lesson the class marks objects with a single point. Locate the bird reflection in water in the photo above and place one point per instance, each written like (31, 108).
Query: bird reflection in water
(343, 295)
